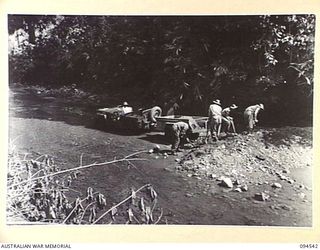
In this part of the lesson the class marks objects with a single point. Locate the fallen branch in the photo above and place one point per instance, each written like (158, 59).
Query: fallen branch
(83, 167)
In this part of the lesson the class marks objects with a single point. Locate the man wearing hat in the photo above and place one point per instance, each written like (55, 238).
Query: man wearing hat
(227, 120)
(173, 110)
(251, 114)
(215, 119)
(126, 108)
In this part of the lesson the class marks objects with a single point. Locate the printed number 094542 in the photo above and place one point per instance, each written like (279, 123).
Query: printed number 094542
(309, 246)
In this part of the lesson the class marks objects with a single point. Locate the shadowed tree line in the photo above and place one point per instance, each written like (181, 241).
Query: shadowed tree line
(160, 60)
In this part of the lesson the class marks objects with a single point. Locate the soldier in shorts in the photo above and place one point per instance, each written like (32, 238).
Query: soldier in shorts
(227, 120)
(215, 119)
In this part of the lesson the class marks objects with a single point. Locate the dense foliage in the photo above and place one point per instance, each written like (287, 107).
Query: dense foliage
(165, 59)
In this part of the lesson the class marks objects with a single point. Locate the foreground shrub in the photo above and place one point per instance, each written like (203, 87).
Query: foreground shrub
(37, 192)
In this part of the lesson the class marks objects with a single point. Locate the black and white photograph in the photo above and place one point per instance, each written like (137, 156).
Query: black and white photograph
(160, 120)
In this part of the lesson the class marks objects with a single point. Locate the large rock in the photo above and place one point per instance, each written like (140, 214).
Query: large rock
(226, 182)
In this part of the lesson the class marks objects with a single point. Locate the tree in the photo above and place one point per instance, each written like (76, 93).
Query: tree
(163, 59)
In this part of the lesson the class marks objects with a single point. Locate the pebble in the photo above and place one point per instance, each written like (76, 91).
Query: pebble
(244, 188)
(302, 195)
(290, 181)
(239, 190)
(282, 177)
(261, 196)
(189, 195)
(212, 176)
(260, 157)
(274, 207)
(286, 207)
(264, 170)
(276, 185)
(308, 188)
(189, 175)
(237, 182)
(150, 151)
(177, 160)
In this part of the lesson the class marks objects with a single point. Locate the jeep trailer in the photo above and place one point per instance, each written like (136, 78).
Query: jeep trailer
(197, 125)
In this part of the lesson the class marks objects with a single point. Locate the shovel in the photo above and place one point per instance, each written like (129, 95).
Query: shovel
(233, 128)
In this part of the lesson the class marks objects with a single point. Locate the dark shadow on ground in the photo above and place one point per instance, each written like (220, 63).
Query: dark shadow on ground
(157, 138)
(114, 129)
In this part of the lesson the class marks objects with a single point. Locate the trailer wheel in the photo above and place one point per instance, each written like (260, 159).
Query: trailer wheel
(193, 136)
(154, 113)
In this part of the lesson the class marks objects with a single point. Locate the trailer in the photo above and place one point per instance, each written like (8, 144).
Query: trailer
(124, 117)
(197, 125)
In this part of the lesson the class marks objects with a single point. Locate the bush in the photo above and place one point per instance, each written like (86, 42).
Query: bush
(37, 192)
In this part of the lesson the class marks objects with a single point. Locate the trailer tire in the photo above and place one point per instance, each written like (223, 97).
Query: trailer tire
(193, 136)
(154, 113)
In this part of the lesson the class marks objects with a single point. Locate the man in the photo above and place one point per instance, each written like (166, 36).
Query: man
(215, 119)
(179, 135)
(126, 108)
(227, 120)
(251, 114)
(173, 110)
